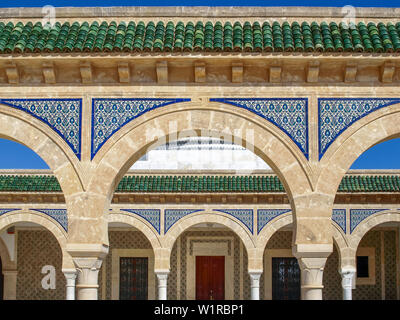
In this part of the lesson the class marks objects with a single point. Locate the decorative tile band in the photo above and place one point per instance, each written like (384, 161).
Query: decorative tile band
(4, 211)
(64, 116)
(152, 216)
(264, 216)
(243, 215)
(337, 114)
(110, 115)
(339, 216)
(171, 216)
(59, 215)
(288, 114)
(358, 215)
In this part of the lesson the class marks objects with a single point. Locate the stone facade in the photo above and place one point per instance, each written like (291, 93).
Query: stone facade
(309, 115)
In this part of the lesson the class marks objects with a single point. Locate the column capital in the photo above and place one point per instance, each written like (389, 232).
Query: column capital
(70, 274)
(255, 274)
(312, 259)
(87, 259)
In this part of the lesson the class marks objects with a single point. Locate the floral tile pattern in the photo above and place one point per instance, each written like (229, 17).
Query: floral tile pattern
(64, 116)
(109, 115)
(288, 114)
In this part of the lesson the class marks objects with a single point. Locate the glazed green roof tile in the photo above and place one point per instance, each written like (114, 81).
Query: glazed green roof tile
(157, 36)
(200, 183)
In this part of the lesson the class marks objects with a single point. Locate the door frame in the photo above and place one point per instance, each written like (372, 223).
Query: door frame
(132, 253)
(269, 254)
(210, 246)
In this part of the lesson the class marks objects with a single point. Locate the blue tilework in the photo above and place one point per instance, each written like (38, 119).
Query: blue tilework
(64, 116)
(358, 215)
(4, 211)
(60, 215)
(150, 215)
(336, 114)
(264, 216)
(243, 215)
(171, 216)
(288, 114)
(339, 216)
(110, 115)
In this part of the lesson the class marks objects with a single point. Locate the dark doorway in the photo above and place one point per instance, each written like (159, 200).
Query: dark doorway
(210, 278)
(133, 279)
(285, 279)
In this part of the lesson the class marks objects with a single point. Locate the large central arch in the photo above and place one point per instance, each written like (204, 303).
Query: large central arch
(192, 118)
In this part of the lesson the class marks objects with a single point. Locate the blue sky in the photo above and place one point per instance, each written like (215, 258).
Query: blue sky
(383, 156)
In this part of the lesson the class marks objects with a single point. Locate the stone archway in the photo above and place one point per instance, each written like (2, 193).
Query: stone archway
(369, 223)
(21, 127)
(191, 118)
(379, 126)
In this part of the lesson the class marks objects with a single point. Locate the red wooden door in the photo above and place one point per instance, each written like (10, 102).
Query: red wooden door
(210, 278)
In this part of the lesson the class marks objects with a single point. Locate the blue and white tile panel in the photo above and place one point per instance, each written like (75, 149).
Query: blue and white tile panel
(171, 216)
(111, 114)
(264, 216)
(289, 114)
(245, 216)
(64, 116)
(335, 115)
(152, 216)
(59, 215)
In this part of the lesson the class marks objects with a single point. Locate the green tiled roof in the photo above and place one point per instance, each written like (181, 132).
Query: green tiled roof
(132, 183)
(157, 36)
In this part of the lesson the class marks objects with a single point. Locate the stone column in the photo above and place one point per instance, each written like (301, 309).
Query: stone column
(348, 277)
(162, 277)
(255, 284)
(88, 259)
(312, 259)
(70, 275)
(10, 284)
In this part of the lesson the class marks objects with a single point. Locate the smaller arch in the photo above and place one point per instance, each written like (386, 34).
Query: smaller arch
(137, 223)
(41, 219)
(339, 238)
(206, 217)
(371, 222)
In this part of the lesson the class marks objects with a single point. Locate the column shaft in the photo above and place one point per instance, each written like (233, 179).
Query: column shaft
(162, 284)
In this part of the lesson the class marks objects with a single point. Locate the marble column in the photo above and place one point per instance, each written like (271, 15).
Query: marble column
(255, 284)
(70, 275)
(348, 283)
(162, 277)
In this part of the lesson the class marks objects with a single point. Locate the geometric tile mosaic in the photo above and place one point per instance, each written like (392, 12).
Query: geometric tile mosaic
(171, 216)
(288, 114)
(64, 116)
(111, 114)
(59, 215)
(264, 216)
(339, 216)
(358, 215)
(150, 215)
(336, 114)
(243, 215)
